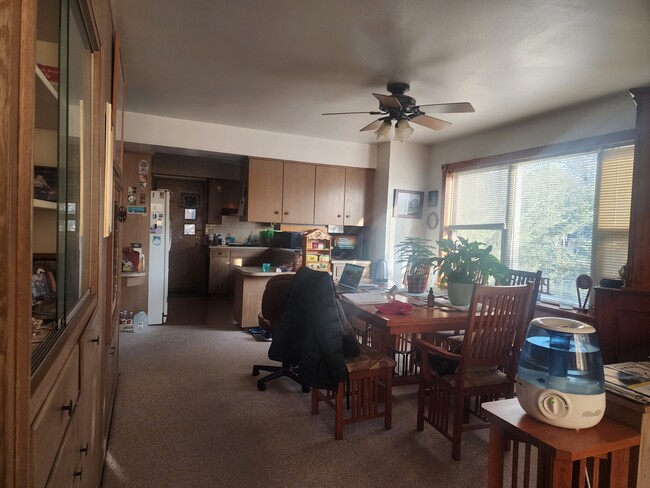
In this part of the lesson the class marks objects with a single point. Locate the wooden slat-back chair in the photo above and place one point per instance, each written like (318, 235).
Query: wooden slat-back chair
(496, 325)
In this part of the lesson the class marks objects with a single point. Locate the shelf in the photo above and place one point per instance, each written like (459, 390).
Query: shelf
(44, 204)
(47, 101)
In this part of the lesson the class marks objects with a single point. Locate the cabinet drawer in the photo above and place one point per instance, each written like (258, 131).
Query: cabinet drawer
(50, 424)
(68, 470)
(215, 253)
(90, 344)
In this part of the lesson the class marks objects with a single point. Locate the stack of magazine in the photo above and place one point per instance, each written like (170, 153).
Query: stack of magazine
(630, 380)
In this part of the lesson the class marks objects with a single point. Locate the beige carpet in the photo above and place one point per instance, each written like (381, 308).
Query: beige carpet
(188, 414)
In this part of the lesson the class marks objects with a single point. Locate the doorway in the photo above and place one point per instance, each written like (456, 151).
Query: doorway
(187, 256)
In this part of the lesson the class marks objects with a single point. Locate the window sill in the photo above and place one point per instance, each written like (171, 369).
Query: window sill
(547, 309)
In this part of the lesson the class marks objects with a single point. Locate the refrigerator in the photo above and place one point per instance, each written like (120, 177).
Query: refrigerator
(160, 240)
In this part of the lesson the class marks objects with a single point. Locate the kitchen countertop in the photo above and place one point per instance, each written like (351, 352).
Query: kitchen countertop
(257, 271)
(240, 246)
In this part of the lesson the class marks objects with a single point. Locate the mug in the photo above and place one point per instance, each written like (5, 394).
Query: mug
(266, 267)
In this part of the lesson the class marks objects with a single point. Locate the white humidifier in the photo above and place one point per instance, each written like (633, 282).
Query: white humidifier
(560, 379)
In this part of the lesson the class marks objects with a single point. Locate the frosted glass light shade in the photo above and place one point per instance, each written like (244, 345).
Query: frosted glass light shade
(383, 132)
(403, 130)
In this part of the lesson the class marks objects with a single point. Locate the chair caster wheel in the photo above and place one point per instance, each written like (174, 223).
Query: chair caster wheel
(306, 389)
(261, 386)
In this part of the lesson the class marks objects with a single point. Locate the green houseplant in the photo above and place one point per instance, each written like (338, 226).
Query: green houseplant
(419, 256)
(464, 263)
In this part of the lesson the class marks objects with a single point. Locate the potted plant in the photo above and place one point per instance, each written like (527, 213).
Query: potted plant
(419, 256)
(464, 263)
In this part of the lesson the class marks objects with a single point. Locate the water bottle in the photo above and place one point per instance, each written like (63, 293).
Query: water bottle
(140, 322)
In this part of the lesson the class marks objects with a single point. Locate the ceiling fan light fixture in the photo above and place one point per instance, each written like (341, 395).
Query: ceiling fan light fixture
(383, 132)
(403, 130)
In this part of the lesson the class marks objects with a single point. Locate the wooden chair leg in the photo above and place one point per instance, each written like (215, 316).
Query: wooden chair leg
(421, 398)
(338, 421)
(315, 399)
(388, 402)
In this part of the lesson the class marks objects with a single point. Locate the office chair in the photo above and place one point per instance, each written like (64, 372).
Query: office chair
(274, 300)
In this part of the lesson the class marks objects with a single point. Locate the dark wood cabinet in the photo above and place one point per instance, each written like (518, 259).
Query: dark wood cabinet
(622, 317)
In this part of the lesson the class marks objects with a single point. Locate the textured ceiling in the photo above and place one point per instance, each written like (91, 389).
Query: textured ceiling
(278, 65)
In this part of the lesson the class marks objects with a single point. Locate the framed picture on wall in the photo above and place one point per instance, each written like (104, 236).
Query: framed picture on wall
(408, 204)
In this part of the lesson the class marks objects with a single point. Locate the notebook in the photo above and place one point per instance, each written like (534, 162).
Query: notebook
(350, 278)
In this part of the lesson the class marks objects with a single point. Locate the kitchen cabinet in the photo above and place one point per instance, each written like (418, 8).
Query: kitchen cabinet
(280, 192)
(358, 196)
(329, 195)
(343, 196)
(264, 190)
(219, 270)
(298, 193)
(223, 198)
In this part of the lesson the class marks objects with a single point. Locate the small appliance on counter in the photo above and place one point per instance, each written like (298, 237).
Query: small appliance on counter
(561, 379)
(288, 240)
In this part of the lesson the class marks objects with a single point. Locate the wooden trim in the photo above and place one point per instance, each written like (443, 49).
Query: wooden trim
(580, 145)
(88, 16)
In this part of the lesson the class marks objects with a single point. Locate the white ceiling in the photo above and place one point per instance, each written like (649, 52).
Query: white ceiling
(278, 65)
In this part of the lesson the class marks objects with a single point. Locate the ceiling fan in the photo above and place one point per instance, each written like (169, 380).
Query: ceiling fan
(403, 109)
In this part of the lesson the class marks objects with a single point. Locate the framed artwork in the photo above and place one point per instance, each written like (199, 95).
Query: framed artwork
(433, 198)
(46, 183)
(408, 204)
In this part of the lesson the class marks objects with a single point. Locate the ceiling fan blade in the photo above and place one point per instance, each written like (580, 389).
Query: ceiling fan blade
(430, 122)
(372, 125)
(349, 113)
(449, 108)
(388, 101)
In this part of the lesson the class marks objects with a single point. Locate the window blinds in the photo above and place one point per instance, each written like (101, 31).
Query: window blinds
(613, 212)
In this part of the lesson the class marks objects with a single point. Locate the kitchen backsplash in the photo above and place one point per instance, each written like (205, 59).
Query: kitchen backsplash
(240, 230)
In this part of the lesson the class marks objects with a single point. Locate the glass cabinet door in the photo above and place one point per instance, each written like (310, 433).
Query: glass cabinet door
(61, 229)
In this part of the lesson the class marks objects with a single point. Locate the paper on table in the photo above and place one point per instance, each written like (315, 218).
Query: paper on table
(371, 298)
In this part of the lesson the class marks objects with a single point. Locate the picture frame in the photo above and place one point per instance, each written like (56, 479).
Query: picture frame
(433, 198)
(46, 181)
(408, 204)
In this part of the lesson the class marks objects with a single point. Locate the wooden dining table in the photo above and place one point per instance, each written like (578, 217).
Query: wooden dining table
(393, 334)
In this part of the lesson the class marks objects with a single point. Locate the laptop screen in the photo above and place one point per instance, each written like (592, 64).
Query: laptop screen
(351, 276)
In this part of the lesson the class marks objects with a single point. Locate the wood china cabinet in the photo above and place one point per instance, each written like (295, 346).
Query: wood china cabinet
(56, 78)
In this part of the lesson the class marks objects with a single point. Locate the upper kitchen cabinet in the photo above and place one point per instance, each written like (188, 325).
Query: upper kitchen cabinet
(343, 196)
(298, 193)
(279, 192)
(358, 196)
(263, 190)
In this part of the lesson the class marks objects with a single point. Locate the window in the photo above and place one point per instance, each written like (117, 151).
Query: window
(566, 214)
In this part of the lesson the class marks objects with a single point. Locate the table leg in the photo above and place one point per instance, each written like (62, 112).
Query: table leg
(496, 449)
(562, 473)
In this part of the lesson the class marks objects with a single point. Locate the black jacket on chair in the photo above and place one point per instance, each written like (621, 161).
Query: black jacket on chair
(309, 333)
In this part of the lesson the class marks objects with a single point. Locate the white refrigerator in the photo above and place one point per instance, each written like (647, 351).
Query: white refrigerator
(160, 241)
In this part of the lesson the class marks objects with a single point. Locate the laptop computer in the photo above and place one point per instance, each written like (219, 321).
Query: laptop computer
(350, 278)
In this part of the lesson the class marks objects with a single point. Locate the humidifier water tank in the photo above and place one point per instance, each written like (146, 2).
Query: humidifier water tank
(560, 379)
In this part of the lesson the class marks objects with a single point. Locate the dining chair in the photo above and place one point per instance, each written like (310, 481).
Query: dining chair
(450, 338)
(496, 325)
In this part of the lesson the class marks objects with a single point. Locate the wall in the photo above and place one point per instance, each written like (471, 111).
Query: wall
(603, 116)
(176, 133)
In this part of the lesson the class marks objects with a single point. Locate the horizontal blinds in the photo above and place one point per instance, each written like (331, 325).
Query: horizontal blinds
(479, 196)
(613, 213)
(553, 215)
